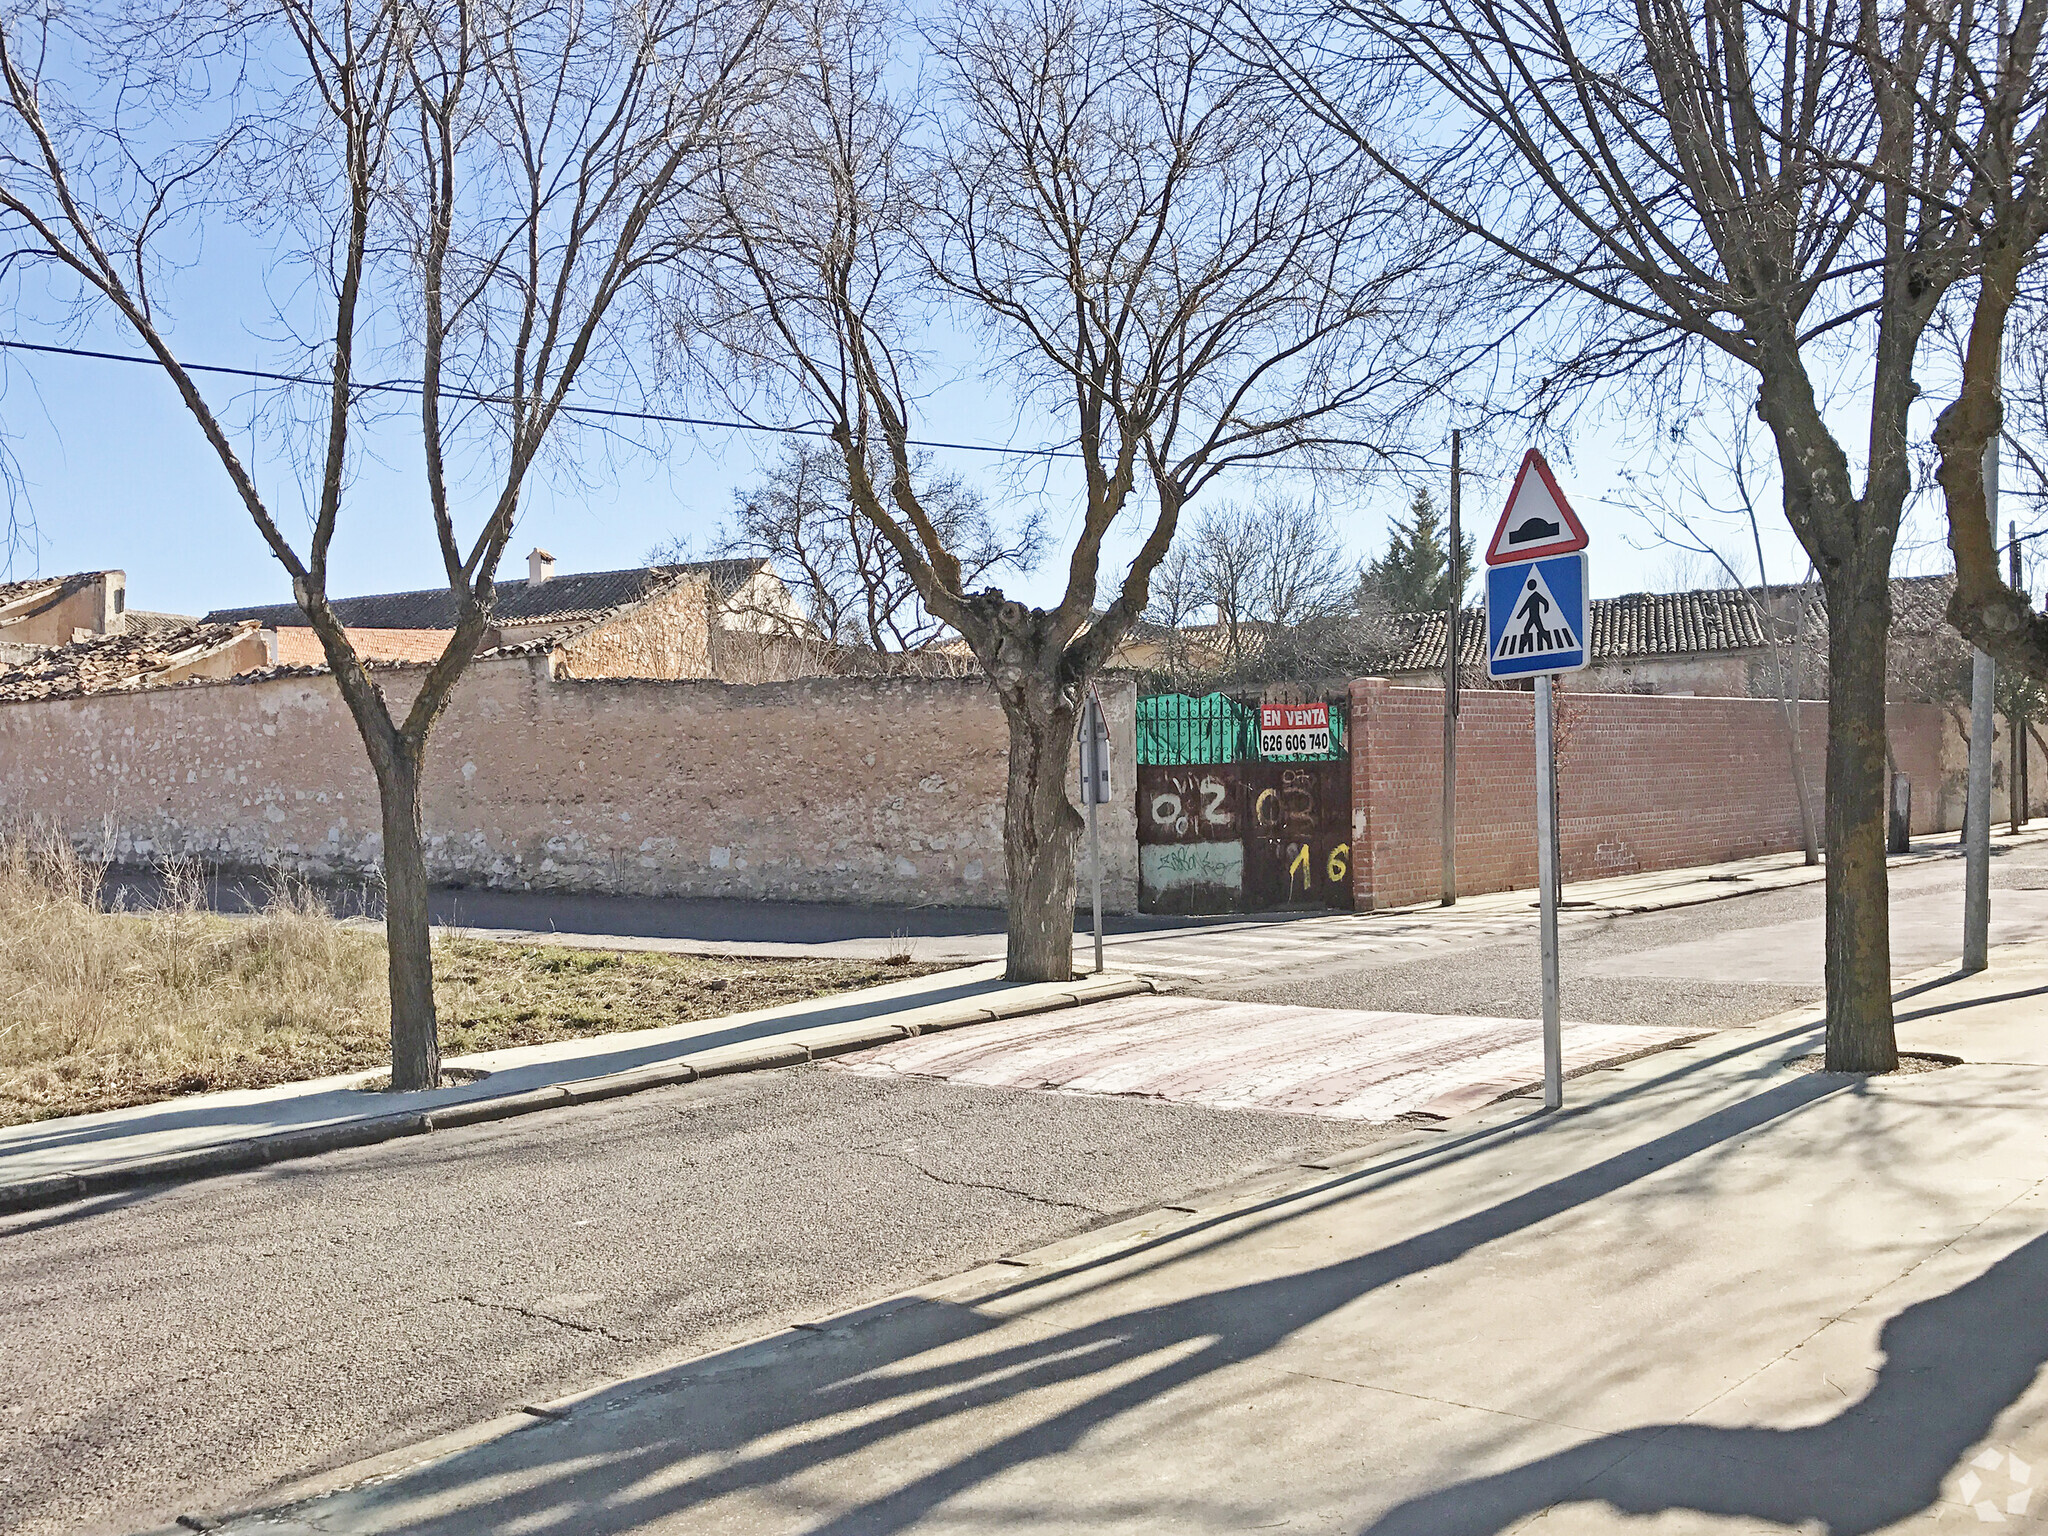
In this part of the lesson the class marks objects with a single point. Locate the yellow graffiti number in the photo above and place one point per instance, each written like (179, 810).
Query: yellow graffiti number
(1340, 863)
(1300, 867)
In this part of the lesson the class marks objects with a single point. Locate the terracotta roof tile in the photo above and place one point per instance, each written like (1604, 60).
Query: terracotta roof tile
(1673, 623)
(107, 662)
(559, 601)
(52, 586)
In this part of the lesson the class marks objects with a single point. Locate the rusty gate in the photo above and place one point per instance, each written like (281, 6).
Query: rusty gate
(1244, 836)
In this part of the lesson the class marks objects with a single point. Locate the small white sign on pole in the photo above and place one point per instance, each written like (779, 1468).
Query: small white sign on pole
(1095, 791)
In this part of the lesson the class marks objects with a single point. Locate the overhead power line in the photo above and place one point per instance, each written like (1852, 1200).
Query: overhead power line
(615, 413)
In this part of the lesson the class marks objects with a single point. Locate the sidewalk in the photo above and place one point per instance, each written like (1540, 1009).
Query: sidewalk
(772, 930)
(46, 1162)
(1717, 1290)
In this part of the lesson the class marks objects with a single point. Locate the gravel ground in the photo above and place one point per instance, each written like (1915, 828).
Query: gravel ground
(182, 1349)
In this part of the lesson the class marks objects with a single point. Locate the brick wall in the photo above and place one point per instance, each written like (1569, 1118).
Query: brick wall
(821, 790)
(1644, 782)
(298, 646)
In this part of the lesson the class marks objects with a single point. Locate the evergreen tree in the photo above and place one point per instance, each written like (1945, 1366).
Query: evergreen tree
(1414, 575)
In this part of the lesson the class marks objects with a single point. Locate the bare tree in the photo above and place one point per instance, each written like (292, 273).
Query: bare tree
(470, 187)
(1982, 88)
(1188, 276)
(1229, 551)
(1728, 179)
(1307, 576)
(1178, 598)
(856, 595)
(1269, 564)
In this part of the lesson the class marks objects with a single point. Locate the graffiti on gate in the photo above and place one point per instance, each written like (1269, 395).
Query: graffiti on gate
(1297, 849)
(1189, 805)
(1243, 837)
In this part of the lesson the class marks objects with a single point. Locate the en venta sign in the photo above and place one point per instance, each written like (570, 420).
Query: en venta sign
(1286, 730)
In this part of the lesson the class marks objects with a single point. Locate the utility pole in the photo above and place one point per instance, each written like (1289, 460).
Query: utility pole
(1977, 804)
(1449, 834)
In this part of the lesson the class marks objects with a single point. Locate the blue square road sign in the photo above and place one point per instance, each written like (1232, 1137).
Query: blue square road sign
(1536, 617)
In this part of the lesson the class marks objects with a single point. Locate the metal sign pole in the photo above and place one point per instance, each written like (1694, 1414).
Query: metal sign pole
(1095, 790)
(1448, 836)
(1977, 801)
(1977, 818)
(1546, 860)
(1095, 859)
(1537, 625)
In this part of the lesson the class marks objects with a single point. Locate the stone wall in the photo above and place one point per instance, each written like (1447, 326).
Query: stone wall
(885, 791)
(1644, 783)
(667, 636)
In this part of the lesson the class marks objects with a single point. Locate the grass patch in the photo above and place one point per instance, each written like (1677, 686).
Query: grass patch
(100, 1009)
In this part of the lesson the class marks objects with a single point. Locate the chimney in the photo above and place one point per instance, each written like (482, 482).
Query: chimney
(540, 565)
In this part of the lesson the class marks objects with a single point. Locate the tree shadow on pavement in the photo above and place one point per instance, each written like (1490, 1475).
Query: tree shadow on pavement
(1952, 1364)
(767, 1416)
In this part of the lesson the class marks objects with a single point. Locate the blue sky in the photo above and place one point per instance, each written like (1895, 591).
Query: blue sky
(117, 474)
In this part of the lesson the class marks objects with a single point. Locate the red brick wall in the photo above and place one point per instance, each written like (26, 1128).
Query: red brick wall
(1644, 782)
(298, 646)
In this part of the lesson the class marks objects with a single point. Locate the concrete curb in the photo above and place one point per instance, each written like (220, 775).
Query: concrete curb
(784, 1050)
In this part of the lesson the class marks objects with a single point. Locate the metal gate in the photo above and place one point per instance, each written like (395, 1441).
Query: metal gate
(1240, 834)
(1297, 835)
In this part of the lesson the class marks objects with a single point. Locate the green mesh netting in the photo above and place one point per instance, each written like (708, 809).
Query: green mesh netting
(1215, 728)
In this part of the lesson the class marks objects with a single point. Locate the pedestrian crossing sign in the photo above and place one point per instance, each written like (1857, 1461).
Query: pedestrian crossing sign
(1536, 617)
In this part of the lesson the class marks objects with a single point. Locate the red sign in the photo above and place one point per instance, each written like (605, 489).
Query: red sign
(1294, 730)
(1294, 717)
(1538, 520)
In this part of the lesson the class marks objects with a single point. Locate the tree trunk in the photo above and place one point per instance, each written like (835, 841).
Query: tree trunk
(1041, 830)
(1860, 1037)
(415, 1033)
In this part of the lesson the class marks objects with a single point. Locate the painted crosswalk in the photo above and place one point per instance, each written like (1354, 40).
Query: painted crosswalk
(1238, 948)
(1336, 1062)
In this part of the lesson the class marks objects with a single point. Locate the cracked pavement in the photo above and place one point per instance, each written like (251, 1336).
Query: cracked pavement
(181, 1349)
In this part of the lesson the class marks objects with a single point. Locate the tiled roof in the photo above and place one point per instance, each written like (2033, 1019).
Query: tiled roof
(109, 661)
(1674, 623)
(143, 622)
(47, 586)
(560, 600)
(1920, 604)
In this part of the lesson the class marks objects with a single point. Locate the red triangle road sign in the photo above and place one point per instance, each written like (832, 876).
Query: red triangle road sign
(1538, 520)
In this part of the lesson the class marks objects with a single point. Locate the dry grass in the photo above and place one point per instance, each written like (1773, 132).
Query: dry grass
(100, 1009)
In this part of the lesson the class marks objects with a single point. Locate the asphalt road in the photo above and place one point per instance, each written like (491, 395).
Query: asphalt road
(179, 1349)
(1721, 964)
(182, 1349)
